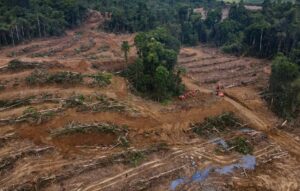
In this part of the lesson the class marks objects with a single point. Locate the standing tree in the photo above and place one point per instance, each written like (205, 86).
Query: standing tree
(284, 87)
(126, 49)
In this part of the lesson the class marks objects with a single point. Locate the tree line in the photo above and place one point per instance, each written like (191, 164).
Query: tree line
(258, 33)
(27, 19)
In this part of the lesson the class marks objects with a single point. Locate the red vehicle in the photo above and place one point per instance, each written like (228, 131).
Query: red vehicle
(219, 90)
(188, 94)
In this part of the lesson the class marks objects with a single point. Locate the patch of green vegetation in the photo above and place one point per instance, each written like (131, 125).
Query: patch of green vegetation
(31, 114)
(65, 77)
(136, 158)
(241, 145)
(101, 79)
(153, 74)
(216, 125)
(284, 87)
(14, 65)
(15, 102)
(182, 70)
(75, 101)
(37, 77)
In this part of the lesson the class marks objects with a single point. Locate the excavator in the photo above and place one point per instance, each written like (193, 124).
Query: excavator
(220, 90)
(193, 93)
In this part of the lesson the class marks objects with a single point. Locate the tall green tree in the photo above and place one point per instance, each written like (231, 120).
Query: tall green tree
(126, 49)
(284, 87)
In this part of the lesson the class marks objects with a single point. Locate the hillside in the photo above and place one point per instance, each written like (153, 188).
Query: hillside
(79, 135)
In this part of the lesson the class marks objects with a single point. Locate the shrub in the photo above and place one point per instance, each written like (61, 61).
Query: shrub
(37, 77)
(240, 145)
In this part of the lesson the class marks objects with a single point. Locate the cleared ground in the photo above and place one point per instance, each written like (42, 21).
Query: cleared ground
(208, 66)
(81, 136)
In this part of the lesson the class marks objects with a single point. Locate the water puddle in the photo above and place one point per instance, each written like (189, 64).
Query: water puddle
(247, 130)
(222, 143)
(201, 175)
(247, 162)
(176, 183)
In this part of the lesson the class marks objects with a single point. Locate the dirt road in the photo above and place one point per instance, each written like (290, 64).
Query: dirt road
(281, 137)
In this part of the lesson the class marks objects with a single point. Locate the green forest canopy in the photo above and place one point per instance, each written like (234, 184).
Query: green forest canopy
(27, 19)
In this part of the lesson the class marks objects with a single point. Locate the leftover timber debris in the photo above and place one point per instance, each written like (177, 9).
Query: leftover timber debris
(97, 103)
(32, 115)
(106, 128)
(90, 165)
(214, 126)
(8, 162)
(18, 65)
(41, 77)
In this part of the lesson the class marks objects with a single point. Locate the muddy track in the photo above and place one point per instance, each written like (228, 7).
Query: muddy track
(278, 136)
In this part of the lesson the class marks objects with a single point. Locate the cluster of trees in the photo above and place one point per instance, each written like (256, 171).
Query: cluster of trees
(26, 19)
(284, 90)
(153, 72)
(258, 33)
(144, 15)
